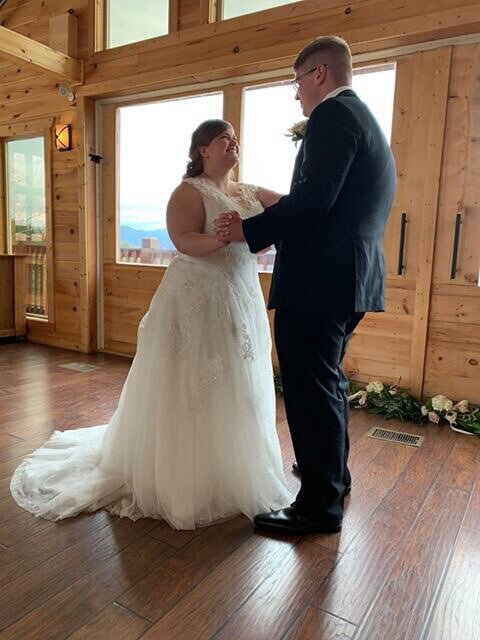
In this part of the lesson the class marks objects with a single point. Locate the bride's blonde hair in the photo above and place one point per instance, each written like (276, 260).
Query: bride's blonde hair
(201, 137)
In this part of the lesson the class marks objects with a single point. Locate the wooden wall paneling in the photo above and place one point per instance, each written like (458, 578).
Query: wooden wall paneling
(297, 16)
(96, 20)
(277, 34)
(63, 326)
(192, 13)
(26, 13)
(31, 19)
(437, 67)
(12, 299)
(109, 183)
(7, 299)
(42, 106)
(20, 48)
(173, 17)
(24, 128)
(87, 225)
(218, 9)
(49, 147)
(15, 89)
(417, 137)
(209, 11)
(63, 33)
(3, 201)
(460, 181)
(29, 104)
(453, 348)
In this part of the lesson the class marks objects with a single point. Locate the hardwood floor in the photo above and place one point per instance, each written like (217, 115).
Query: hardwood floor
(406, 565)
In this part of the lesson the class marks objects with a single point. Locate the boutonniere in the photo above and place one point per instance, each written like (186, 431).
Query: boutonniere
(297, 131)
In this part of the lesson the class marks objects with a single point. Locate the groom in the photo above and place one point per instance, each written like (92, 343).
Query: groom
(329, 270)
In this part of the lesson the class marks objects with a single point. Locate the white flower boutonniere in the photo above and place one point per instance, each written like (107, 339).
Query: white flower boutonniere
(297, 131)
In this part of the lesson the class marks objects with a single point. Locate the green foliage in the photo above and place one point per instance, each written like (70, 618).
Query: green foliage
(392, 402)
(470, 420)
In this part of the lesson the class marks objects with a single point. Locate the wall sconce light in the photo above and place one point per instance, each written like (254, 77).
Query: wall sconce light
(63, 137)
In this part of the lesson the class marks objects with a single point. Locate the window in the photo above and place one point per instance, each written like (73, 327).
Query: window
(153, 152)
(27, 215)
(129, 21)
(233, 8)
(268, 154)
(376, 87)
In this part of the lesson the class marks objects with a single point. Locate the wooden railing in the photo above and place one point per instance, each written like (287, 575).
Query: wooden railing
(147, 256)
(35, 276)
(165, 256)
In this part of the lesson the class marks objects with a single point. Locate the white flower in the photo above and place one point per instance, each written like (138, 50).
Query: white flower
(297, 131)
(362, 395)
(451, 417)
(392, 391)
(433, 417)
(448, 405)
(375, 387)
(440, 403)
(424, 410)
(461, 406)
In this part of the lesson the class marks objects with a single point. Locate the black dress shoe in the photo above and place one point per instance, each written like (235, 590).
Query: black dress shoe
(288, 521)
(296, 471)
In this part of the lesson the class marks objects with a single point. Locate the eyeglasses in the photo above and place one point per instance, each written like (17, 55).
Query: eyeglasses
(296, 83)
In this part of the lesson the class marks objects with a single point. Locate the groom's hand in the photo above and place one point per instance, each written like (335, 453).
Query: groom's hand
(228, 227)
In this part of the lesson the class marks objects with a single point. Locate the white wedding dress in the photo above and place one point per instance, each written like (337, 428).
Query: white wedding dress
(193, 439)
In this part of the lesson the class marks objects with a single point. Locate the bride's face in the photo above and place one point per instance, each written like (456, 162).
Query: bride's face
(223, 149)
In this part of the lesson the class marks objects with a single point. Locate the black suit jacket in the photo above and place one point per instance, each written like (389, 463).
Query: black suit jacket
(329, 230)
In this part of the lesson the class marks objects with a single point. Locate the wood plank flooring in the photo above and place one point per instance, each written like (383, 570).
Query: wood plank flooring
(406, 565)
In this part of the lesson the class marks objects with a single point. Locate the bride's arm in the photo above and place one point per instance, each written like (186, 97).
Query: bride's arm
(186, 221)
(268, 197)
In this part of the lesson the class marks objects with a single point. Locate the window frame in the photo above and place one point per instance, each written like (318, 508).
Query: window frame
(99, 22)
(34, 129)
(233, 109)
(220, 7)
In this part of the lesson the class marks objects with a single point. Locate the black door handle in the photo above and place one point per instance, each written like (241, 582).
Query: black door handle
(401, 249)
(456, 241)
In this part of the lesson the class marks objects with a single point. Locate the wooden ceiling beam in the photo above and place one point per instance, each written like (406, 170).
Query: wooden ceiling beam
(14, 46)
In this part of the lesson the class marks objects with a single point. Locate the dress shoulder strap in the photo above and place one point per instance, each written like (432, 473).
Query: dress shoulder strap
(200, 184)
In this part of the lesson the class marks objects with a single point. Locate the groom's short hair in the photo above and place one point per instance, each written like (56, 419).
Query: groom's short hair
(335, 53)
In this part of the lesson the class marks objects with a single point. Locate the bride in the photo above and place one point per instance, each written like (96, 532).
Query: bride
(193, 438)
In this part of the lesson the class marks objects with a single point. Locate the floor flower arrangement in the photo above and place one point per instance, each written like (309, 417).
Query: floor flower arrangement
(392, 402)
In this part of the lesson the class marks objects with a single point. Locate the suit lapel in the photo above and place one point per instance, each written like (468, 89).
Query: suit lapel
(297, 166)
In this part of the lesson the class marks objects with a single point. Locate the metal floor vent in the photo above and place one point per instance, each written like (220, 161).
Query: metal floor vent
(79, 366)
(396, 436)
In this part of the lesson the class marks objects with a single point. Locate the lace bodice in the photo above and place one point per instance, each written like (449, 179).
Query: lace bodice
(236, 256)
(215, 201)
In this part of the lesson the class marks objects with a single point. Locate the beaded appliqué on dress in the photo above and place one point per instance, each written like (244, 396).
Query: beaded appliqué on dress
(248, 352)
(236, 268)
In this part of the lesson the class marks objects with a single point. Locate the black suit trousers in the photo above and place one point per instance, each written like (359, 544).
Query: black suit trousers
(311, 347)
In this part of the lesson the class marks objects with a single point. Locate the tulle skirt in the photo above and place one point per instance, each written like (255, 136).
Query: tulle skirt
(193, 439)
